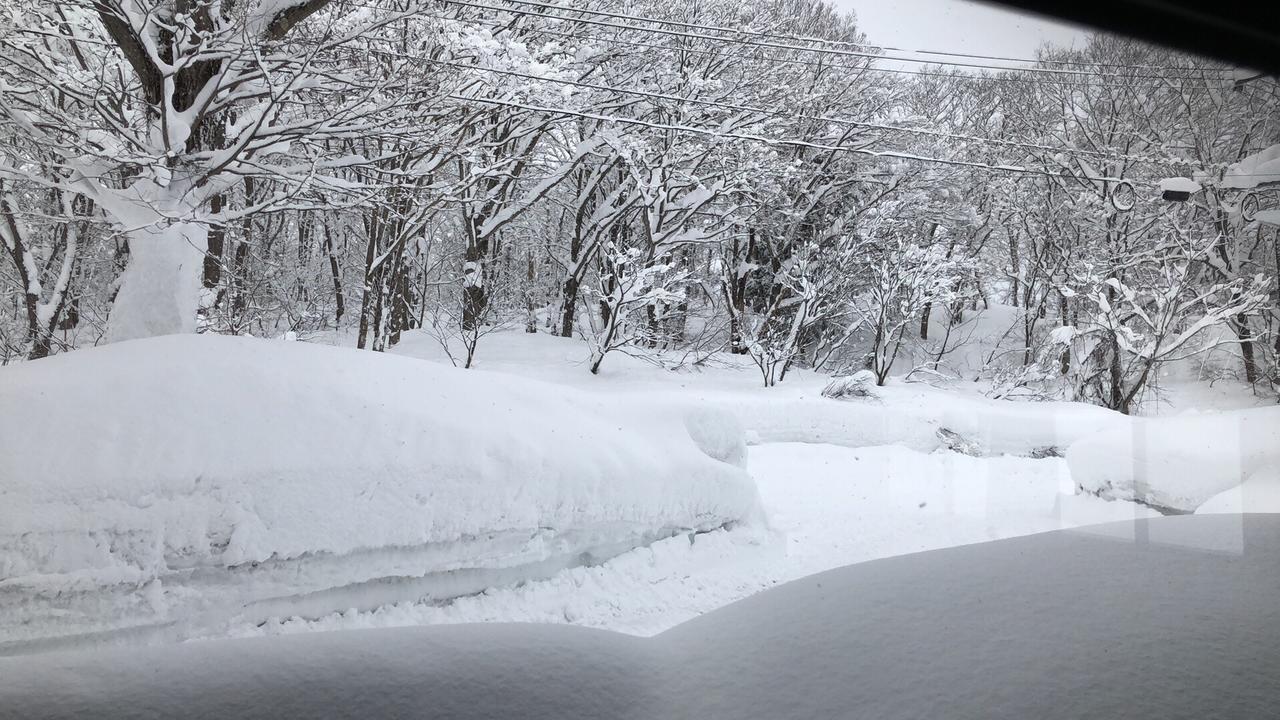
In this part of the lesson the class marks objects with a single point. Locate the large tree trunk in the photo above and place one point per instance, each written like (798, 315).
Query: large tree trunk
(474, 297)
(736, 294)
(1245, 334)
(927, 313)
(214, 135)
(1118, 400)
(568, 306)
(213, 257)
(160, 288)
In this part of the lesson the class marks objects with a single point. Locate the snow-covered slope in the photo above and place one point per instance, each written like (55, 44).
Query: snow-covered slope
(1178, 462)
(170, 484)
(1147, 619)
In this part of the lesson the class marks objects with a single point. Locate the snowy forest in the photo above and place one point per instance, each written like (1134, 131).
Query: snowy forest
(665, 180)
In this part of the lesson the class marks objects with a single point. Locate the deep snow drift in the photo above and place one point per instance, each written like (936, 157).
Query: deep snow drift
(1139, 619)
(174, 484)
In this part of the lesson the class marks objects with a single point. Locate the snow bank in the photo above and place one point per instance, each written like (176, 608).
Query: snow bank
(177, 482)
(1178, 462)
(919, 417)
(1259, 494)
(1059, 625)
(828, 507)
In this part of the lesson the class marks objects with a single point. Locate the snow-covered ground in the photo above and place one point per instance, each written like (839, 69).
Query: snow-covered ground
(1151, 619)
(612, 501)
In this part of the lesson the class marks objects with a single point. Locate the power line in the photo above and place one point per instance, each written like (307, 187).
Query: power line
(1078, 63)
(1084, 80)
(813, 39)
(764, 44)
(1076, 83)
(781, 113)
(796, 143)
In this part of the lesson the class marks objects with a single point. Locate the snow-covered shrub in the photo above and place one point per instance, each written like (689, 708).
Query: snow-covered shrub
(858, 385)
(636, 293)
(902, 280)
(956, 442)
(1160, 312)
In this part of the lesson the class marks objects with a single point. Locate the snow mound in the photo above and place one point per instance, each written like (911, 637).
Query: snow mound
(717, 434)
(177, 482)
(1142, 619)
(911, 416)
(1258, 494)
(1177, 462)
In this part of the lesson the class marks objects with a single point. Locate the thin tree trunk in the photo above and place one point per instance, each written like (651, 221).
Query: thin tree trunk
(1015, 269)
(531, 310)
(372, 284)
(473, 284)
(336, 273)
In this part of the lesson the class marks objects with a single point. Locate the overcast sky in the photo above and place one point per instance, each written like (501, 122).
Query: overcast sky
(956, 26)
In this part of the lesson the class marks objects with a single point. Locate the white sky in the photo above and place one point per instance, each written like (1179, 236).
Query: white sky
(956, 26)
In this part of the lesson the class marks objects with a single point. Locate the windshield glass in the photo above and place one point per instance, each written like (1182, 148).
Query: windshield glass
(332, 315)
